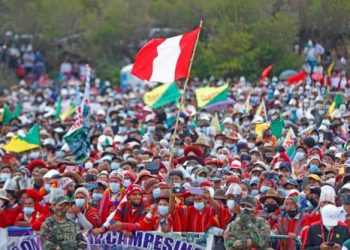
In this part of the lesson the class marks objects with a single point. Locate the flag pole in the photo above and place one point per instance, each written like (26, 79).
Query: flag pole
(182, 99)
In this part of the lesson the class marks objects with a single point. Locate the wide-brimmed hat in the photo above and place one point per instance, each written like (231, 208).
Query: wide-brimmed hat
(3, 195)
(272, 193)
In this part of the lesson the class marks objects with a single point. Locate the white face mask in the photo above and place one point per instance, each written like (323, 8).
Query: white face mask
(331, 181)
(222, 157)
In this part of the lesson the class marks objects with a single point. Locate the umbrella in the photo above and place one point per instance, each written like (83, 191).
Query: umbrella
(219, 106)
(287, 73)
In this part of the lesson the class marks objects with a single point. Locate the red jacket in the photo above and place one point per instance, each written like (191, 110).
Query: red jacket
(198, 221)
(8, 217)
(36, 220)
(107, 206)
(91, 215)
(224, 217)
(173, 220)
(130, 216)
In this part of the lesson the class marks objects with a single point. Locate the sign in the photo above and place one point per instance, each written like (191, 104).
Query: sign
(117, 241)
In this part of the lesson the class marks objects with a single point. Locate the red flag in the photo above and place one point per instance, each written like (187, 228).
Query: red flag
(267, 71)
(297, 78)
(165, 59)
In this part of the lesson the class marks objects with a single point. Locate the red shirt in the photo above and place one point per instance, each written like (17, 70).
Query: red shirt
(91, 215)
(172, 220)
(36, 219)
(8, 217)
(198, 221)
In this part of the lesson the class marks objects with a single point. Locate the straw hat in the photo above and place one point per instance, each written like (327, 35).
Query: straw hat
(272, 193)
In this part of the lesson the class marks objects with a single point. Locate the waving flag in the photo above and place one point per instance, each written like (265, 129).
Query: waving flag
(77, 138)
(338, 100)
(162, 95)
(267, 71)
(165, 59)
(261, 111)
(20, 144)
(210, 95)
(297, 78)
(288, 143)
(247, 107)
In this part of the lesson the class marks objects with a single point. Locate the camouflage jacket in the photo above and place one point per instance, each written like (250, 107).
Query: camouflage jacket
(258, 230)
(62, 236)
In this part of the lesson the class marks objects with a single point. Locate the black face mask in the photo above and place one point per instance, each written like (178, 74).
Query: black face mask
(189, 203)
(246, 158)
(269, 159)
(346, 179)
(292, 213)
(313, 202)
(270, 208)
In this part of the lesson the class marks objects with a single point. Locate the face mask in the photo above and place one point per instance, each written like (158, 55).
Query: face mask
(321, 112)
(199, 205)
(90, 186)
(156, 193)
(47, 188)
(222, 157)
(264, 189)
(188, 203)
(28, 210)
(254, 192)
(331, 181)
(163, 210)
(227, 130)
(270, 208)
(96, 196)
(313, 202)
(200, 179)
(229, 145)
(246, 158)
(314, 169)
(79, 202)
(251, 145)
(315, 137)
(115, 165)
(5, 177)
(189, 170)
(230, 204)
(34, 155)
(115, 187)
(247, 211)
(122, 130)
(299, 156)
(292, 213)
(246, 124)
(269, 159)
(283, 192)
(126, 183)
(61, 212)
(151, 129)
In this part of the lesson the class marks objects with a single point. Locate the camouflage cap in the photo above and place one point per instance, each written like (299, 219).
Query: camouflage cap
(59, 200)
(249, 201)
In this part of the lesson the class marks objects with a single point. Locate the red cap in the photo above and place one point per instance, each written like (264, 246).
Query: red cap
(233, 179)
(206, 184)
(134, 189)
(36, 163)
(34, 194)
(192, 148)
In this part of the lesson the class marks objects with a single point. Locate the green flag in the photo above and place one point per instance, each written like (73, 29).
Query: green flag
(33, 135)
(276, 128)
(58, 108)
(18, 110)
(7, 115)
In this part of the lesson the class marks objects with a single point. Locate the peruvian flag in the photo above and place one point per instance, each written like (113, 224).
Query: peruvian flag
(301, 76)
(166, 59)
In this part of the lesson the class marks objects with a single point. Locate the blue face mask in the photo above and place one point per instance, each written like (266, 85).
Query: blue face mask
(115, 187)
(200, 179)
(47, 188)
(314, 169)
(264, 189)
(230, 204)
(79, 202)
(126, 183)
(283, 192)
(91, 185)
(5, 177)
(254, 192)
(28, 210)
(96, 196)
(115, 165)
(299, 156)
(199, 205)
(163, 210)
(156, 193)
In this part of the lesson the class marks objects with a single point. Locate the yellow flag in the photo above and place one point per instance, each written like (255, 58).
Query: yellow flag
(260, 127)
(210, 95)
(330, 69)
(331, 108)
(216, 123)
(246, 106)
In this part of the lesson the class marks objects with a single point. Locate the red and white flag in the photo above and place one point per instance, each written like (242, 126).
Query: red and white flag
(166, 59)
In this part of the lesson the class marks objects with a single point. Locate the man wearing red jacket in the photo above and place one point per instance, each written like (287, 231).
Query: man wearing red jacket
(32, 214)
(7, 214)
(130, 213)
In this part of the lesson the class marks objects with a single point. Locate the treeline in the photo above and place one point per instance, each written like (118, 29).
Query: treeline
(240, 37)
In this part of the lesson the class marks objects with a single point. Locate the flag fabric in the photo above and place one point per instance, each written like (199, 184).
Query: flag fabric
(338, 100)
(68, 112)
(266, 71)
(58, 108)
(297, 78)
(259, 128)
(20, 144)
(18, 110)
(77, 137)
(166, 59)
(6, 115)
(288, 143)
(211, 95)
(215, 123)
(247, 107)
(162, 95)
(307, 132)
(261, 111)
(276, 128)
(330, 69)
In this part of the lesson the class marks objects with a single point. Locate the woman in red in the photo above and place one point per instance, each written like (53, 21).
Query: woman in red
(32, 214)
(82, 212)
(159, 218)
(7, 214)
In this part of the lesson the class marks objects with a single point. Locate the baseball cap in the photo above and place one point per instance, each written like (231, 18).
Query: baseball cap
(329, 215)
(59, 200)
(249, 201)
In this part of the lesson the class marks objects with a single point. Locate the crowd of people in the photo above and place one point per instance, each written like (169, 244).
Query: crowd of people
(235, 183)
